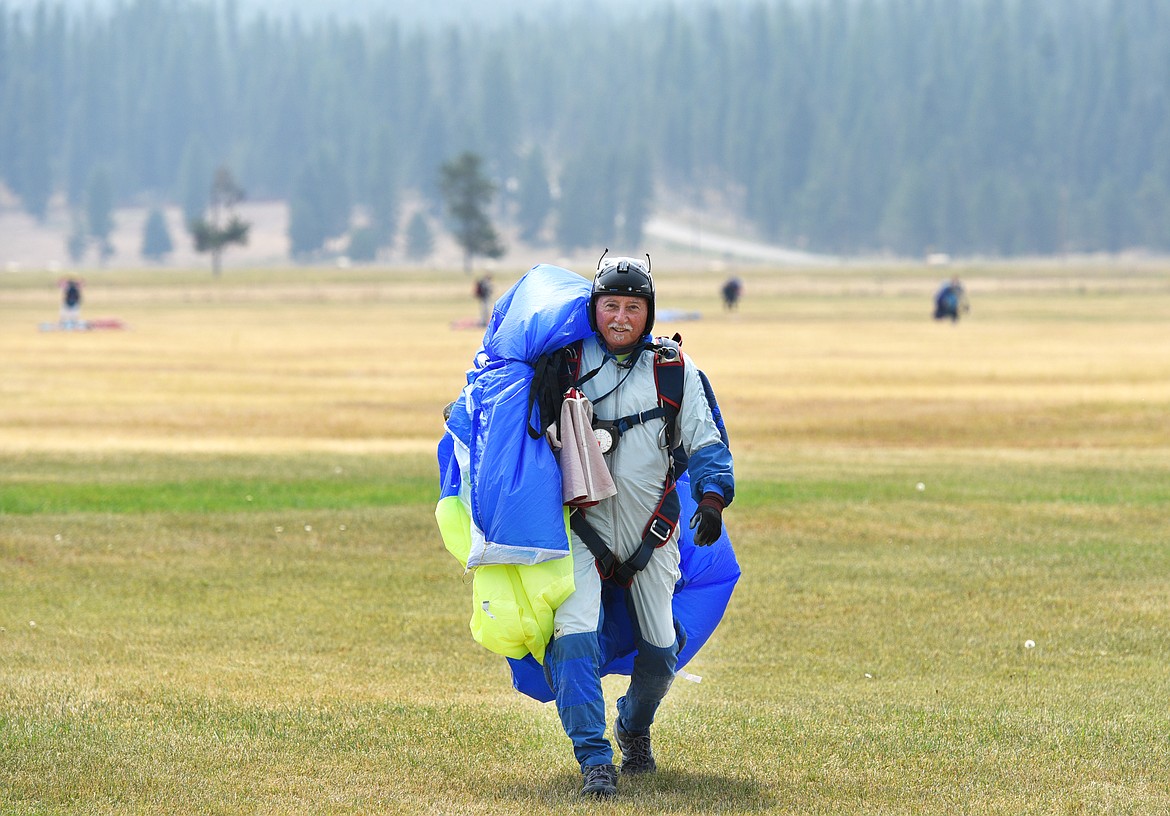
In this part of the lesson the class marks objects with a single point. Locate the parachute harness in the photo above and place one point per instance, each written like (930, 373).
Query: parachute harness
(554, 375)
(668, 381)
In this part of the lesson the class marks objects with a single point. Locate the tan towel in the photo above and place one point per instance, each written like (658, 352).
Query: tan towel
(585, 479)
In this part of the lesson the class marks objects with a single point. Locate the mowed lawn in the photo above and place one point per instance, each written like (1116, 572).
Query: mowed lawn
(222, 590)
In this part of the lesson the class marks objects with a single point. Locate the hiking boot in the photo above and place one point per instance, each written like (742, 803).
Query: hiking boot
(637, 758)
(600, 781)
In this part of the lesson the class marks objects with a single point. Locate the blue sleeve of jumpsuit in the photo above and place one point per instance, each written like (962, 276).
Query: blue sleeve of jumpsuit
(712, 472)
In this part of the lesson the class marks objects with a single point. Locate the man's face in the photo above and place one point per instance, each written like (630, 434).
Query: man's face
(621, 319)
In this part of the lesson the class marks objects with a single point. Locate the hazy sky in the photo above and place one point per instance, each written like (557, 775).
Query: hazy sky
(408, 11)
(356, 8)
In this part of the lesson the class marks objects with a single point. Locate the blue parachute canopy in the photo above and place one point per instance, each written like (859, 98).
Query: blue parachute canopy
(545, 310)
(515, 482)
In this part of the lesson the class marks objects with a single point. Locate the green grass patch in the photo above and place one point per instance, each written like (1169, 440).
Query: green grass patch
(936, 486)
(207, 484)
(316, 659)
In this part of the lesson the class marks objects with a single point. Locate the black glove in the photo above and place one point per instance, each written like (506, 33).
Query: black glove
(708, 518)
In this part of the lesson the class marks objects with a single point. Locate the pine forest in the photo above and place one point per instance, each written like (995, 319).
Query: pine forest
(997, 127)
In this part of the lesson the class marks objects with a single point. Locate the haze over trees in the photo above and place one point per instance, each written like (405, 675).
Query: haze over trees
(966, 126)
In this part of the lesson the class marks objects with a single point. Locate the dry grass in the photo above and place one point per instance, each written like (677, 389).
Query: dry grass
(221, 589)
(245, 365)
(353, 361)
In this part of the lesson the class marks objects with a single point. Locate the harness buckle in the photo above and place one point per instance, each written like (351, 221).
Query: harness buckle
(660, 528)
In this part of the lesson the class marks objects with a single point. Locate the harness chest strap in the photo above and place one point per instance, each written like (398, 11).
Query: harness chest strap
(668, 384)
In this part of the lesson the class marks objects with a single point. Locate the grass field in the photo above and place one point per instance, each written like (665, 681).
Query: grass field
(222, 590)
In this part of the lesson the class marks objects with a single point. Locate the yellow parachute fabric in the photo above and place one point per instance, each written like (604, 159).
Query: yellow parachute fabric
(512, 605)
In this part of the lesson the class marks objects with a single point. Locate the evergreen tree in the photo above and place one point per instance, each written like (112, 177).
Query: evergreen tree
(587, 207)
(420, 239)
(1113, 216)
(9, 107)
(1153, 213)
(222, 227)
(430, 146)
(78, 239)
(468, 194)
(534, 196)
(382, 194)
(34, 178)
(637, 194)
(306, 228)
(99, 210)
(319, 207)
(194, 171)
(498, 113)
(77, 156)
(908, 221)
(156, 238)
(363, 245)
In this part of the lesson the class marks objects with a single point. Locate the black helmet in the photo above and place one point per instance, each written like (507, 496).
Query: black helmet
(623, 276)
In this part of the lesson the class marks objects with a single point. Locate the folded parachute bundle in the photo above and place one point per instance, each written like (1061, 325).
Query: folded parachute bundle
(501, 510)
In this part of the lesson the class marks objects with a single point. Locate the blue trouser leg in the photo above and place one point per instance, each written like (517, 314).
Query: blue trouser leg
(573, 666)
(653, 673)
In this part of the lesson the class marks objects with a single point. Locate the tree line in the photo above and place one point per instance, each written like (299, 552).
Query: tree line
(966, 126)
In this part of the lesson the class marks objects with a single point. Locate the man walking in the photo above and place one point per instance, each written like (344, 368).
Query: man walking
(632, 537)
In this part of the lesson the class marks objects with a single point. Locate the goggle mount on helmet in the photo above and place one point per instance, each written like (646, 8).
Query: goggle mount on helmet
(623, 276)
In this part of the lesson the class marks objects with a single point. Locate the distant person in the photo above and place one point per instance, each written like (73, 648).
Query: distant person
(71, 303)
(483, 293)
(950, 301)
(731, 291)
